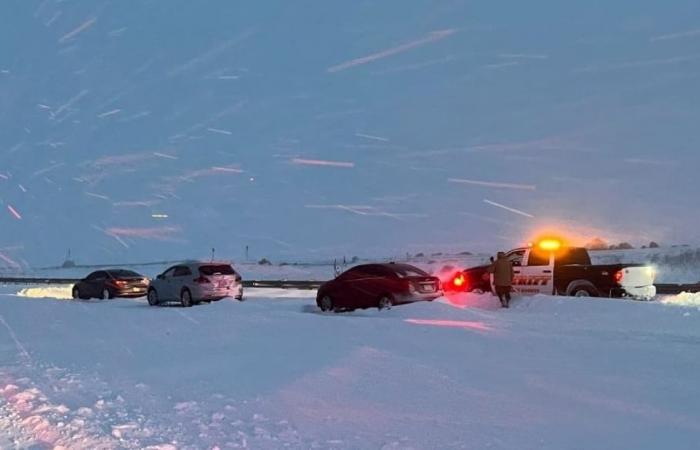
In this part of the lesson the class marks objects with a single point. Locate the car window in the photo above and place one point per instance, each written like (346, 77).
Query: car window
(376, 271)
(354, 273)
(170, 272)
(217, 269)
(182, 271)
(93, 276)
(409, 271)
(516, 257)
(573, 256)
(123, 273)
(538, 258)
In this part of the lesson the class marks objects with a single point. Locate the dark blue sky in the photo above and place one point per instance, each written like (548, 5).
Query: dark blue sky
(321, 128)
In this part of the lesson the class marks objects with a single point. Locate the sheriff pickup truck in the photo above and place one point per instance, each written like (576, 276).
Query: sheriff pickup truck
(552, 269)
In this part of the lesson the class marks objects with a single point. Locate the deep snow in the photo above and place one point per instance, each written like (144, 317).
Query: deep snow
(550, 373)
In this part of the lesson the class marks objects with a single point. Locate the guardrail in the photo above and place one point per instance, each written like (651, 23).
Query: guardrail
(675, 289)
(274, 284)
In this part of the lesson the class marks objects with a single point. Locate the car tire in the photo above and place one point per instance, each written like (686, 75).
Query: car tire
(582, 291)
(186, 298)
(326, 304)
(153, 297)
(385, 302)
(76, 293)
(106, 295)
(582, 288)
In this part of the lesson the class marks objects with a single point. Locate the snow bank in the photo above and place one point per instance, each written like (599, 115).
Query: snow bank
(683, 299)
(64, 292)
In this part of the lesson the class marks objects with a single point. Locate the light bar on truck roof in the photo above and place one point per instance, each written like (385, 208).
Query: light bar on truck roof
(550, 245)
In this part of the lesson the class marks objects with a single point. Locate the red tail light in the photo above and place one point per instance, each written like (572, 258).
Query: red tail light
(118, 283)
(459, 281)
(202, 280)
(618, 276)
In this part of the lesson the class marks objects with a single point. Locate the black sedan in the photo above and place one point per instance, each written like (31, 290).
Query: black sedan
(111, 283)
(377, 286)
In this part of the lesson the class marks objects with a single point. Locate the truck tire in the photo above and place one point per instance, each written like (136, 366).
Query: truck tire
(582, 288)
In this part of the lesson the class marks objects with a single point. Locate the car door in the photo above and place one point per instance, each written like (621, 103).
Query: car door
(536, 275)
(96, 283)
(180, 279)
(164, 284)
(345, 290)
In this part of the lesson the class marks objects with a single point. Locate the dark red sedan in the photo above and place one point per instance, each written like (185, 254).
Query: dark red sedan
(111, 283)
(377, 286)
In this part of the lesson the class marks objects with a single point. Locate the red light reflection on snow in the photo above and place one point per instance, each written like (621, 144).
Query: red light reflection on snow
(478, 326)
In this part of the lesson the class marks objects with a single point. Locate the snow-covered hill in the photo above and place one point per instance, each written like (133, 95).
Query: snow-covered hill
(270, 373)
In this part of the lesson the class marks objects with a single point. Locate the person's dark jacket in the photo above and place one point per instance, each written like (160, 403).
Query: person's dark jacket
(502, 271)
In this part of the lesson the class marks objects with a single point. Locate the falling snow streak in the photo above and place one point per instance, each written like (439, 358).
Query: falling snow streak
(14, 212)
(157, 233)
(84, 26)
(320, 162)
(507, 208)
(527, 187)
(12, 263)
(430, 38)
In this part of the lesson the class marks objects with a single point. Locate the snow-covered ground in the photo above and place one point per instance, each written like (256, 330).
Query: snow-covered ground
(273, 372)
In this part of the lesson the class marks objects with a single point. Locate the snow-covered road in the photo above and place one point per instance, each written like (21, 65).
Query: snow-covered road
(273, 372)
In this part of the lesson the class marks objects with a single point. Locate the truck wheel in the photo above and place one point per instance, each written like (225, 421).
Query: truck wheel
(582, 289)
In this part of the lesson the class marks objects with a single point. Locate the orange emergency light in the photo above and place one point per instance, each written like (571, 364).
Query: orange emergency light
(549, 245)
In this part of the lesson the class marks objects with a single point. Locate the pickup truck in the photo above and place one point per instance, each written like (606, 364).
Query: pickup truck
(563, 271)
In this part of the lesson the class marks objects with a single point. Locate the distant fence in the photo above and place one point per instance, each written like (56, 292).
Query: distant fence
(272, 284)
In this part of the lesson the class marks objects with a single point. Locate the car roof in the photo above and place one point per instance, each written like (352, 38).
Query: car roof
(203, 263)
(390, 266)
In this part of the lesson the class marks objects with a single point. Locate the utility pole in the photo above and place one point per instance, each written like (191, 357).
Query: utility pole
(212, 254)
(246, 254)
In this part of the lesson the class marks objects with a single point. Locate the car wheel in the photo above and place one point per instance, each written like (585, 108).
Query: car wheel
(186, 298)
(106, 295)
(582, 292)
(152, 297)
(326, 304)
(76, 293)
(385, 302)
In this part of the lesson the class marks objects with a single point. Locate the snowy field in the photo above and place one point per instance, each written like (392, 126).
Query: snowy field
(273, 372)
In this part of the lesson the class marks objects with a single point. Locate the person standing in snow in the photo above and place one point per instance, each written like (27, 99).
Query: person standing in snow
(502, 270)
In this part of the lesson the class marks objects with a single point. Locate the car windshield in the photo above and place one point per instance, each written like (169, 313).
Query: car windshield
(217, 269)
(408, 271)
(124, 274)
